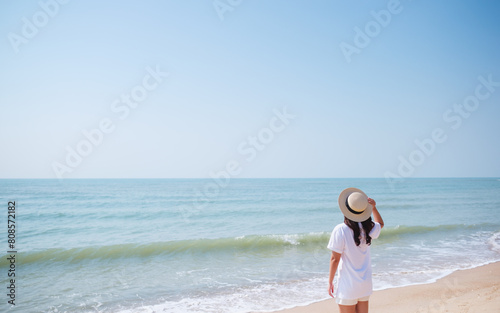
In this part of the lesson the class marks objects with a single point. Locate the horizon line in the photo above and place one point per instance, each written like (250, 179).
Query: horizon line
(210, 178)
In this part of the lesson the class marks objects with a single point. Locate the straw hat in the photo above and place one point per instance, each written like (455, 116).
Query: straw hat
(354, 205)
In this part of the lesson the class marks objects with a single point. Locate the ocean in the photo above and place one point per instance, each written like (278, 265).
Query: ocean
(244, 245)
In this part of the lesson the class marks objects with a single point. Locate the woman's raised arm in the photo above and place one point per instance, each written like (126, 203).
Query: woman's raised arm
(376, 215)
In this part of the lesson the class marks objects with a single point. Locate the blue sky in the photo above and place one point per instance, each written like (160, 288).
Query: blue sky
(228, 77)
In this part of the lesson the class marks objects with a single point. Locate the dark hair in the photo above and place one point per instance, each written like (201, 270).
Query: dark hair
(367, 227)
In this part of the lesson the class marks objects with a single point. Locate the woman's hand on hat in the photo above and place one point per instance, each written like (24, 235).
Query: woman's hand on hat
(372, 202)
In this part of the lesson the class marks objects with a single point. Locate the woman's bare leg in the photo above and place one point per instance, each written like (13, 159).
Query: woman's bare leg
(347, 308)
(362, 307)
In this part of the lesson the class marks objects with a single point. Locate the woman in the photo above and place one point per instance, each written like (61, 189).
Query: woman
(350, 247)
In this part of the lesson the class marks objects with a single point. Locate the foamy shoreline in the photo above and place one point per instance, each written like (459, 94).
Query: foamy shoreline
(470, 290)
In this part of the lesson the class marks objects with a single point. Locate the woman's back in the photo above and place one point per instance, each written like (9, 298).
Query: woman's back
(355, 272)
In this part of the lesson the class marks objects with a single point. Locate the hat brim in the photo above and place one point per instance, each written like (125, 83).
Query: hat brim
(354, 217)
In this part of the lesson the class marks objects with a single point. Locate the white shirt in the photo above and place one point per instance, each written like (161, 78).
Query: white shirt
(355, 270)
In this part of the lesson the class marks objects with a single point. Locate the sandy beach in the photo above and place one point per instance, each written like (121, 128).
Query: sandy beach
(465, 291)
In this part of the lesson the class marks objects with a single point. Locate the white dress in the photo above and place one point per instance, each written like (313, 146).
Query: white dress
(355, 270)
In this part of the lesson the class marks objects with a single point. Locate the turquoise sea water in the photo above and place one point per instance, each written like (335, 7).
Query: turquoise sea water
(189, 245)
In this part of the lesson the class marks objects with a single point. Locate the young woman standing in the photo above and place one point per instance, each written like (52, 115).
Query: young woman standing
(350, 245)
